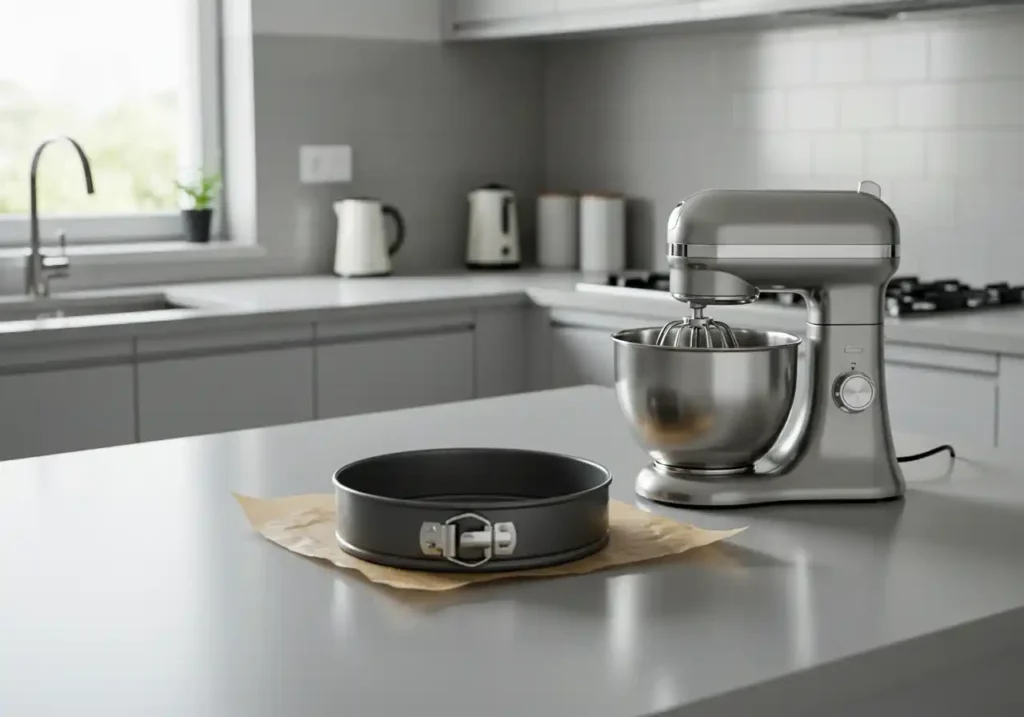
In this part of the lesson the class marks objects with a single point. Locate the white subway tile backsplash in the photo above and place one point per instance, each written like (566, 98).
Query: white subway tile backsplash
(941, 154)
(867, 108)
(989, 155)
(779, 63)
(990, 206)
(895, 154)
(784, 154)
(834, 182)
(840, 60)
(780, 181)
(932, 109)
(837, 153)
(926, 106)
(978, 51)
(992, 104)
(925, 203)
(898, 57)
(813, 108)
(760, 109)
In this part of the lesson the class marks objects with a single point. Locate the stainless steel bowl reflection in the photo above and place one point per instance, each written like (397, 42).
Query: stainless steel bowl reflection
(715, 410)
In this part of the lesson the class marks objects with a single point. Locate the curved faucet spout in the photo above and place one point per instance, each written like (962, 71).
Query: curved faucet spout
(35, 275)
(86, 167)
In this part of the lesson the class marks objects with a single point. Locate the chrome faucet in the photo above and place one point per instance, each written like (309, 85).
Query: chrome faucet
(39, 268)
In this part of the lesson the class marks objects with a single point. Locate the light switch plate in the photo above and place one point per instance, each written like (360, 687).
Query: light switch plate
(326, 163)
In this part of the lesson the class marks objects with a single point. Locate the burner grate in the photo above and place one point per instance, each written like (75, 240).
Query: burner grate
(904, 296)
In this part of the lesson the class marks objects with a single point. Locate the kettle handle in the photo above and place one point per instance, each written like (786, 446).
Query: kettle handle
(399, 228)
(506, 214)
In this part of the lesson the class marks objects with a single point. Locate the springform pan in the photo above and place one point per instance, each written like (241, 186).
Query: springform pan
(472, 509)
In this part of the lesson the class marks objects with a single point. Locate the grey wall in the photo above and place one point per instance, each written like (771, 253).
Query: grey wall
(932, 110)
(427, 123)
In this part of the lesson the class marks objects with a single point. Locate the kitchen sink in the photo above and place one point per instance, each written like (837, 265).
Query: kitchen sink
(63, 307)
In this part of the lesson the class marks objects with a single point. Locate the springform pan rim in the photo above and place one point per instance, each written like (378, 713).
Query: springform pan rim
(473, 504)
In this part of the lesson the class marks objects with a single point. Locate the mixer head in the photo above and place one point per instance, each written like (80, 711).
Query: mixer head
(697, 332)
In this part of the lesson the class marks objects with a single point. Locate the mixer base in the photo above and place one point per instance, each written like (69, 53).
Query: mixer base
(690, 488)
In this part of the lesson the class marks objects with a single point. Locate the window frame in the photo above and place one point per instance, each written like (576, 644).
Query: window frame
(203, 135)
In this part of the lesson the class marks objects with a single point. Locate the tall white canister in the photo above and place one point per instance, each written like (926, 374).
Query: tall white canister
(602, 233)
(558, 231)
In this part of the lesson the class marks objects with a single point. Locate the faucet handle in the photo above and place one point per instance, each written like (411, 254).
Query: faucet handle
(57, 266)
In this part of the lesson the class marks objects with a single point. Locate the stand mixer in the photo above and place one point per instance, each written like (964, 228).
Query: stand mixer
(717, 407)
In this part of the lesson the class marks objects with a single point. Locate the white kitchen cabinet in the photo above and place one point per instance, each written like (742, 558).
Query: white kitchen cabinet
(950, 406)
(365, 375)
(474, 11)
(66, 410)
(571, 6)
(225, 392)
(578, 347)
(948, 395)
(581, 356)
(499, 351)
(495, 19)
(1010, 434)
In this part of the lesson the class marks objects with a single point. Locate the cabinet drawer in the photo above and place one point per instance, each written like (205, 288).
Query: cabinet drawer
(213, 394)
(392, 373)
(72, 410)
(1010, 435)
(950, 406)
(582, 356)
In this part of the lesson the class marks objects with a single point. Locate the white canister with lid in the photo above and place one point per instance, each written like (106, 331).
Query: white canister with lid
(557, 231)
(602, 233)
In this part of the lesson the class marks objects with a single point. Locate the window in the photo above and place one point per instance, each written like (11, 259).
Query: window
(135, 82)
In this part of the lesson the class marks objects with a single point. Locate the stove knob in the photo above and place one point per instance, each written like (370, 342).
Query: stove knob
(853, 392)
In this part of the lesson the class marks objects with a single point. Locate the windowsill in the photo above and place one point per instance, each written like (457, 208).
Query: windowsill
(144, 252)
(98, 266)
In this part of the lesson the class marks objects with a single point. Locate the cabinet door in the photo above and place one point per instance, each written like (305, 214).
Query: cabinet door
(499, 350)
(581, 356)
(227, 392)
(1011, 405)
(70, 410)
(950, 406)
(363, 376)
(491, 10)
(571, 6)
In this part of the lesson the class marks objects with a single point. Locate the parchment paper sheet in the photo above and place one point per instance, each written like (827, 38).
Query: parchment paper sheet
(304, 524)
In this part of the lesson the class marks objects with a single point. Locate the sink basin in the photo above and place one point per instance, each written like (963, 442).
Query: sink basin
(62, 307)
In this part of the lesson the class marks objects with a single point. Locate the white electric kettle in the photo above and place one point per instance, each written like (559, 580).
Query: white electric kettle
(493, 241)
(362, 248)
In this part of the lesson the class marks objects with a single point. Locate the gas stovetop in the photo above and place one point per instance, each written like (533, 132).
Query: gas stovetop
(905, 295)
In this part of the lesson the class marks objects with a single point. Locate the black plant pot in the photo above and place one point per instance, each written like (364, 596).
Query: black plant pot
(197, 224)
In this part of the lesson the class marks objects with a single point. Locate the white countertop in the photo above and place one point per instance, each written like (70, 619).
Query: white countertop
(221, 305)
(132, 585)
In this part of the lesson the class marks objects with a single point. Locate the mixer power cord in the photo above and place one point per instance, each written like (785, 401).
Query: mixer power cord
(928, 454)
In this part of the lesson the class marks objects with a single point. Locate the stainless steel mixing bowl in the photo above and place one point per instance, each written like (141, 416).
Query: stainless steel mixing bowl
(715, 410)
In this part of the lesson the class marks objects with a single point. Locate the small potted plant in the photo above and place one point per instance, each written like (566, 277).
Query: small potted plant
(198, 213)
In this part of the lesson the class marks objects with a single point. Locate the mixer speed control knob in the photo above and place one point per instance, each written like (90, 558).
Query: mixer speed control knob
(853, 392)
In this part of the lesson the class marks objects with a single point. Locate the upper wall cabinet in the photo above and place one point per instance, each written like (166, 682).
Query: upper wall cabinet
(570, 6)
(493, 19)
(485, 19)
(467, 12)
